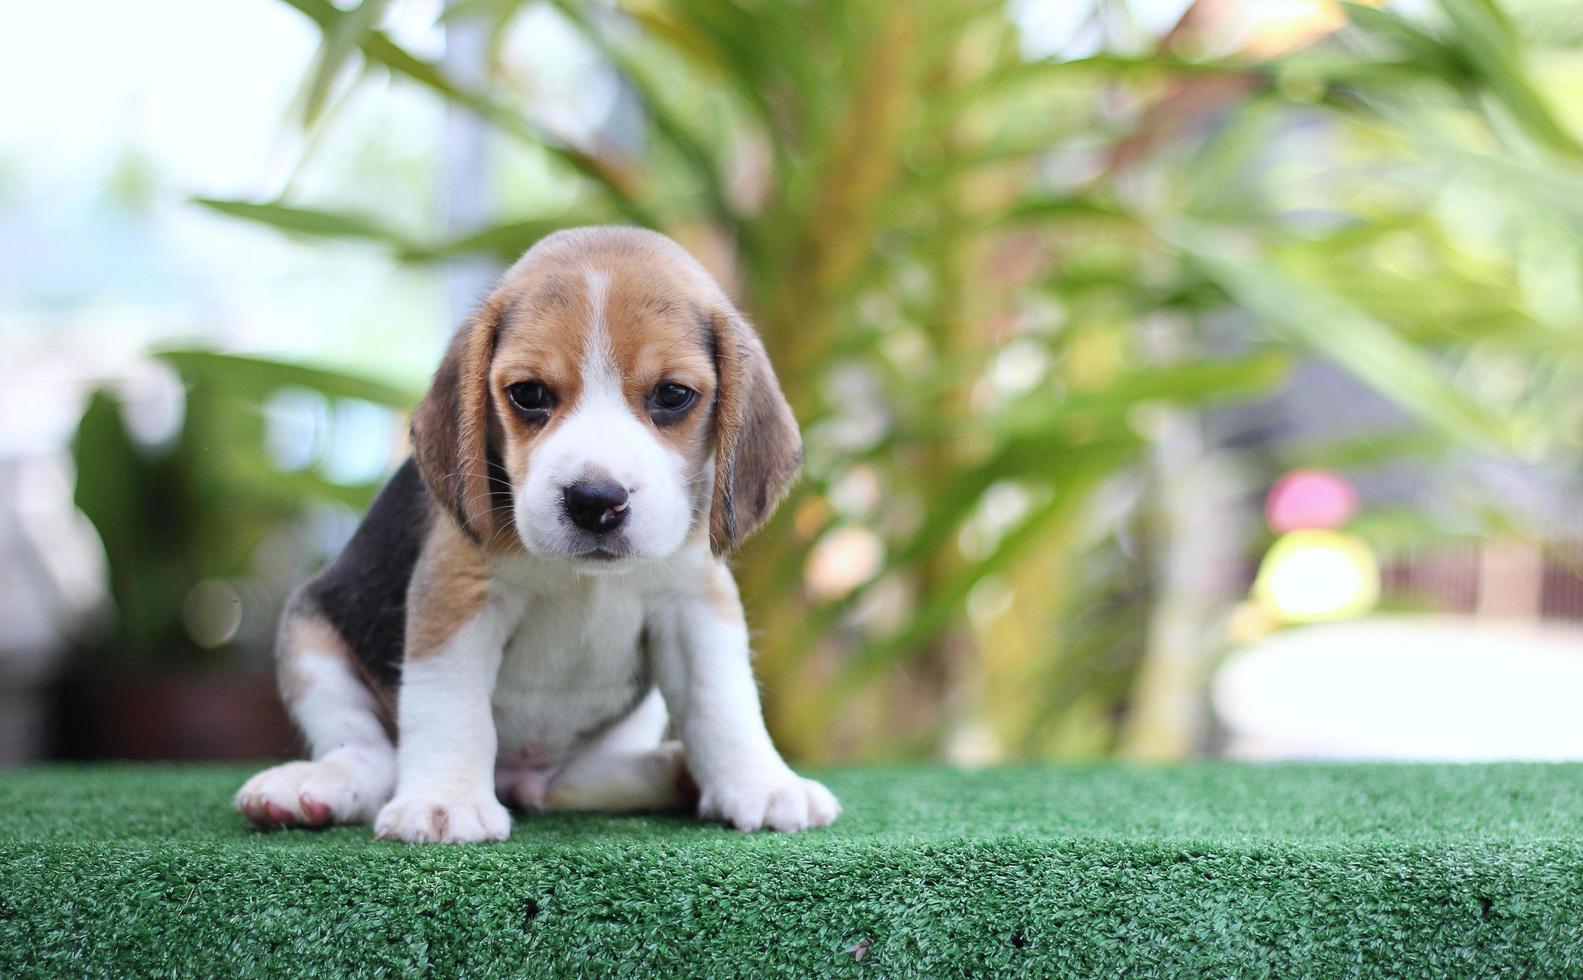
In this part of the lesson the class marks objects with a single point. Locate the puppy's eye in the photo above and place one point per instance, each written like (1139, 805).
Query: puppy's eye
(531, 398)
(670, 400)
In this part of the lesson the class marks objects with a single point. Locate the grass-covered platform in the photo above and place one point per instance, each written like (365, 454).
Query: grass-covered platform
(1210, 869)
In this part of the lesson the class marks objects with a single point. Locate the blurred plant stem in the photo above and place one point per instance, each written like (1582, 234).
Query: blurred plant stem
(1197, 546)
(464, 151)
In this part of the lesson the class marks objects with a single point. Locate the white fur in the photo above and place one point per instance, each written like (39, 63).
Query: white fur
(703, 667)
(445, 789)
(571, 664)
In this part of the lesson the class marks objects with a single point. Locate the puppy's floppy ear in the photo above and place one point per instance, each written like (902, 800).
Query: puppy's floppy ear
(758, 449)
(450, 427)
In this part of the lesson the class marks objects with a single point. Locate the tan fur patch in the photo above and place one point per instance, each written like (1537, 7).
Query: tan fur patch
(758, 449)
(659, 333)
(449, 585)
(451, 426)
(543, 333)
(305, 635)
(655, 310)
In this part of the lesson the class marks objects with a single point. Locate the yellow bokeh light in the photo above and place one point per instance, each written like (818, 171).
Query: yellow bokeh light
(1313, 575)
(843, 560)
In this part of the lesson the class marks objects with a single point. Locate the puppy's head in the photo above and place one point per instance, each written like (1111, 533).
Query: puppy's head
(604, 402)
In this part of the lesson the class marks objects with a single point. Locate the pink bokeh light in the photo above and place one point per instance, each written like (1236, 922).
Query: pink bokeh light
(1309, 499)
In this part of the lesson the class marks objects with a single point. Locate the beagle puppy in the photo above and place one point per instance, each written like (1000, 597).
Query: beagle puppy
(537, 611)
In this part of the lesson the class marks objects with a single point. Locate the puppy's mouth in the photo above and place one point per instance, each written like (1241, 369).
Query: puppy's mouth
(603, 560)
(602, 550)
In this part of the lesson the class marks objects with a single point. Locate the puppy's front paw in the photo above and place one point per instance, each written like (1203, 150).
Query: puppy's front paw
(417, 819)
(785, 801)
(341, 788)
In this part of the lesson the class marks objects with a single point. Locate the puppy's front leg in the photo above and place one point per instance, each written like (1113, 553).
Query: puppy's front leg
(446, 750)
(701, 661)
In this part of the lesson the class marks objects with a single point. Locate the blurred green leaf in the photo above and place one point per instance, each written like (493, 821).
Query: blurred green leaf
(256, 376)
(944, 603)
(1557, 190)
(700, 158)
(1186, 384)
(122, 493)
(1364, 451)
(310, 221)
(493, 10)
(345, 36)
(1489, 42)
(1410, 41)
(1327, 325)
(506, 241)
(264, 481)
(379, 48)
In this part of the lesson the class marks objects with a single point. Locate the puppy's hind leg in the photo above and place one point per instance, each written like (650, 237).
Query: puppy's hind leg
(351, 772)
(615, 782)
(629, 768)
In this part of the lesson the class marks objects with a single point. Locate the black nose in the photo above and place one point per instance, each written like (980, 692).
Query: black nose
(598, 506)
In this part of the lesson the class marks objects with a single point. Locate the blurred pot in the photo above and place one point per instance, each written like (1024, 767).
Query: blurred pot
(186, 715)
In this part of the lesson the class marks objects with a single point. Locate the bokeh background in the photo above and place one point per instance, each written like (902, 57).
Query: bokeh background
(1178, 377)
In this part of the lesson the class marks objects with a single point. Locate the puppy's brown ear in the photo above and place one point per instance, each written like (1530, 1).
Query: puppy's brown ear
(450, 427)
(758, 449)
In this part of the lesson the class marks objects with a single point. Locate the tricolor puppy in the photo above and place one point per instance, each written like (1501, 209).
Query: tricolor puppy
(539, 595)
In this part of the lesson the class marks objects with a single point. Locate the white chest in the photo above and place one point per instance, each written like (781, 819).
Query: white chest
(574, 665)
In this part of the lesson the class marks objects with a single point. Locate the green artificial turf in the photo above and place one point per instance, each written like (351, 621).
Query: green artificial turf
(1207, 869)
